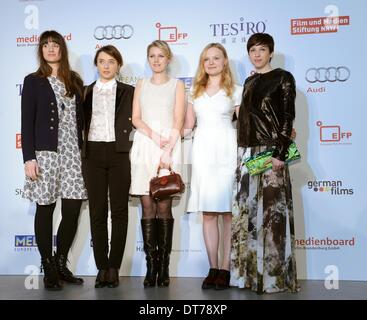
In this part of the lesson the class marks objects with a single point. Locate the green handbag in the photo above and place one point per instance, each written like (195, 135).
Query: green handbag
(256, 163)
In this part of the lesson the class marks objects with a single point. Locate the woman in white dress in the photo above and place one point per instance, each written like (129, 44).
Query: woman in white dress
(213, 100)
(158, 116)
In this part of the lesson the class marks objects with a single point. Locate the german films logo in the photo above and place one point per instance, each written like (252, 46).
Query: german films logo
(171, 34)
(333, 134)
(318, 25)
(331, 187)
(312, 243)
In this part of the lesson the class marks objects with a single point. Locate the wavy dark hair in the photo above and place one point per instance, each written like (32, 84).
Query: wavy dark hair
(72, 81)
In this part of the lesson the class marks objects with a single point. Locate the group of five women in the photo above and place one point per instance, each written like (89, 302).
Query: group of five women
(77, 140)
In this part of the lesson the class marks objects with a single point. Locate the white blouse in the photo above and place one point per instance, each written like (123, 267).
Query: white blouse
(102, 125)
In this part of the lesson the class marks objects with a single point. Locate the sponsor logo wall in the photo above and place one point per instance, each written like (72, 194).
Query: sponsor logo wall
(320, 44)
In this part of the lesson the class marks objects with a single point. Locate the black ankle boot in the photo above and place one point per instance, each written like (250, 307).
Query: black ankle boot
(51, 279)
(165, 233)
(222, 280)
(64, 273)
(209, 281)
(149, 229)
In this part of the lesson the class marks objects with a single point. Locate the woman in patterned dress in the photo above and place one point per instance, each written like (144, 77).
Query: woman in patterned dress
(51, 140)
(158, 114)
(262, 256)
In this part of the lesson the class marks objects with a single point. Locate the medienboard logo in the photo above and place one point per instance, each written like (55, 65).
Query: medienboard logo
(333, 134)
(317, 25)
(171, 34)
(312, 243)
(31, 41)
(332, 187)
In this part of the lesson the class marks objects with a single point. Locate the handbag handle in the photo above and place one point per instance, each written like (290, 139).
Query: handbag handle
(169, 168)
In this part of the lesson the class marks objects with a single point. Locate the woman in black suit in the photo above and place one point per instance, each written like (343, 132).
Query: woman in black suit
(107, 110)
(51, 140)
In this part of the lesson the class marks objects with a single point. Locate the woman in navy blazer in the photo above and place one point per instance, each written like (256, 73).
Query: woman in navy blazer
(52, 124)
(107, 112)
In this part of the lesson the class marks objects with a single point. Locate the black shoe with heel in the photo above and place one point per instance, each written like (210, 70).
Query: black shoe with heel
(51, 279)
(209, 281)
(101, 279)
(113, 278)
(64, 273)
(222, 280)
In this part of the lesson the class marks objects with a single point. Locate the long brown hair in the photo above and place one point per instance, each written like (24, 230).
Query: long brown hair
(72, 81)
(201, 77)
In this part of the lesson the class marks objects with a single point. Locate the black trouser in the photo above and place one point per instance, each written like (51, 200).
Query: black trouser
(107, 171)
(70, 210)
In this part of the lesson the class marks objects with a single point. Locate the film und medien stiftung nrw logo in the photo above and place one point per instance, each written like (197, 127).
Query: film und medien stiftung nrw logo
(333, 187)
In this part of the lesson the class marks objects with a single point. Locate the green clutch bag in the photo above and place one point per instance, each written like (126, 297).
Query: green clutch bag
(256, 163)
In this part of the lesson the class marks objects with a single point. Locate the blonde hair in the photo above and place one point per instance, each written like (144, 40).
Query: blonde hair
(163, 45)
(201, 77)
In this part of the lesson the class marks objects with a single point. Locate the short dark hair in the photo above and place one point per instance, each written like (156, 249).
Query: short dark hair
(264, 39)
(110, 50)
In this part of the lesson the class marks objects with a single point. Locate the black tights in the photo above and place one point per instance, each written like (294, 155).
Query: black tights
(161, 209)
(70, 210)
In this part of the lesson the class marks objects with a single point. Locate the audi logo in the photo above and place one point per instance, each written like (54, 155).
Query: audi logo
(125, 31)
(331, 74)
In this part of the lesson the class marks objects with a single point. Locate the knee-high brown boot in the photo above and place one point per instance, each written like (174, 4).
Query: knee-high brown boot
(165, 233)
(149, 229)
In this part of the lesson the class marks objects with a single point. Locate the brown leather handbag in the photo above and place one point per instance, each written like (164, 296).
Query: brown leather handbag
(166, 186)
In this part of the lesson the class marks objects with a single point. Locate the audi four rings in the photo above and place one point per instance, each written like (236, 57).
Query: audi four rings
(330, 74)
(125, 31)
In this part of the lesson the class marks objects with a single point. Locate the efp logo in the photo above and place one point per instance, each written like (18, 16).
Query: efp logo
(187, 82)
(333, 134)
(171, 34)
(332, 187)
(236, 31)
(18, 141)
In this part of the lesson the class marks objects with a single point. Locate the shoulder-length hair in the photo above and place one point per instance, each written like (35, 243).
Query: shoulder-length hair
(72, 81)
(201, 77)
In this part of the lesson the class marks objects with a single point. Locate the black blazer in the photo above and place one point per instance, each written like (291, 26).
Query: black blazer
(123, 114)
(40, 120)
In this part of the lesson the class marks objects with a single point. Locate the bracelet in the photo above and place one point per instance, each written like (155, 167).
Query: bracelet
(32, 160)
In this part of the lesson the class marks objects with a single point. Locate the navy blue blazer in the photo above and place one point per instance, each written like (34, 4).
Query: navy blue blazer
(123, 114)
(40, 120)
